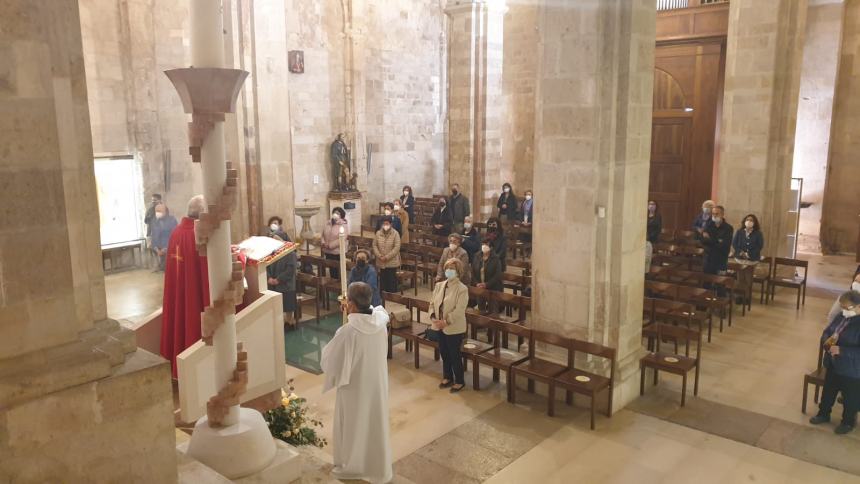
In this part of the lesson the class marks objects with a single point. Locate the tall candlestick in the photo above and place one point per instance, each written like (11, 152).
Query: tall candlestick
(343, 276)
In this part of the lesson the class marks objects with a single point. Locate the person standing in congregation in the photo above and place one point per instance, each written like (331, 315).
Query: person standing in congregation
(507, 204)
(471, 238)
(366, 273)
(407, 201)
(454, 251)
(747, 245)
(460, 208)
(841, 344)
(655, 222)
(162, 228)
(497, 240)
(403, 218)
(354, 363)
(442, 219)
(330, 241)
(448, 315)
(386, 249)
(388, 212)
(703, 218)
(836, 309)
(281, 275)
(148, 220)
(526, 214)
(716, 236)
(186, 287)
(487, 273)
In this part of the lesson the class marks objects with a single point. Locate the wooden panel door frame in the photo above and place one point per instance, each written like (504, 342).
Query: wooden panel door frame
(681, 198)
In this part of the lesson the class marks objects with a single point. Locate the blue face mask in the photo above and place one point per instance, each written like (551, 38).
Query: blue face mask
(450, 273)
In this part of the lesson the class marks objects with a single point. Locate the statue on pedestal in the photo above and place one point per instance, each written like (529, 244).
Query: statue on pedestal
(344, 180)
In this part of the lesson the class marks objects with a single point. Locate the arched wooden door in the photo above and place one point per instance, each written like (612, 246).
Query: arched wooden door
(670, 160)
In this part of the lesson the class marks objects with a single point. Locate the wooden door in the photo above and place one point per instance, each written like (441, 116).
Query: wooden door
(670, 166)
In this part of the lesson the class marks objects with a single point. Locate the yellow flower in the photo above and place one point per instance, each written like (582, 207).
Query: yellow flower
(285, 401)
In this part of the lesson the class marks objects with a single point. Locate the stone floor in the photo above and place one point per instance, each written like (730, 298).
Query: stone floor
(745, 425)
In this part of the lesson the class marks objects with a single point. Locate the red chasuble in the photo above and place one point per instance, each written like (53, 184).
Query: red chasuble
(186, 293)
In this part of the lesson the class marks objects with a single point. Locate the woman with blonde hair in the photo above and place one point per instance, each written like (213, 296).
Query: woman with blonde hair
(448, 316)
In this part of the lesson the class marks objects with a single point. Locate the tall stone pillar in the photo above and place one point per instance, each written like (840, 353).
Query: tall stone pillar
(76, 397)
(841, 215)
(763, 62)
(593, 132)
(475, 41)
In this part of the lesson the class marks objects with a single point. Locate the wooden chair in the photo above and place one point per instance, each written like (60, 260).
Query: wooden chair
(538, 369)
(672, 362)
(471, 344)
(585, 382)
(647, 311)
(420, 306)
(368, 228)
(525, 266)
(763, 278)
(795, 282)
(666, 236)
(728, 286)
(408, 333)
(814, 378)
(498, 358)
(303, 281)
(704, 300)
(515, 283)
(427, 267)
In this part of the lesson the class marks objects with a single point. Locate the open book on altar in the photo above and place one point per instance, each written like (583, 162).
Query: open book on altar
(265, 249)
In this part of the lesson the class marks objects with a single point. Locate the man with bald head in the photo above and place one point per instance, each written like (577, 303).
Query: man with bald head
(186, 287)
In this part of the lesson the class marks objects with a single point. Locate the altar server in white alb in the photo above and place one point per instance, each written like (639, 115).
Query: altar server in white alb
(355, 363)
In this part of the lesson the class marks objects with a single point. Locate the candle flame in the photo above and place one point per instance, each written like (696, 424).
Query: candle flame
(342, 229)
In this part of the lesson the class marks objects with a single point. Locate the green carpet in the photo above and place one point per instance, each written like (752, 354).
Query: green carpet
(303, 345)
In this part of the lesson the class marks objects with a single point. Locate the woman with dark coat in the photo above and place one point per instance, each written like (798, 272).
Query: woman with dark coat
(748, 240)
(442, 219)
(655, 222)
(497, 240)
(507, 204)
(841, 344)
(487, 274)
(407, 201)
(282, 278)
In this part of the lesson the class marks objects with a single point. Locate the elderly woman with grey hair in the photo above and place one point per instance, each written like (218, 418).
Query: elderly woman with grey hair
(453, 251)
(448, 316)
(841, 344)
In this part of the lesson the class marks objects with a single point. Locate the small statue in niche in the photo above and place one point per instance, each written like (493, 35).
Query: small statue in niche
(344, 180)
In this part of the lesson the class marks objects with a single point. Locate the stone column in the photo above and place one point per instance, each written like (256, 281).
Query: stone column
(75, 395)
(475, 40)
(763, 62)
(841, 202)
(593, 132)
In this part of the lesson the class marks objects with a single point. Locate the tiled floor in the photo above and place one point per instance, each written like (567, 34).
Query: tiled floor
(755, 366)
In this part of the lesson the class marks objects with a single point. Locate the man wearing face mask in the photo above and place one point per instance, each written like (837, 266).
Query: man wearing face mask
(354, 363)
(703, 218)
(281, 275)
(459, 205)
(442, 219)
(487, 273)
(717, 236)
(162, 228)
(454, 251)
(330, 241)
(386, 249)
(471, 238)
(497, 240)
(841, 344)
(836, 309)
(366, 273)
(388, 211)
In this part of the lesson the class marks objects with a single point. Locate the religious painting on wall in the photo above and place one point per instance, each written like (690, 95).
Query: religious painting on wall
(296, 59)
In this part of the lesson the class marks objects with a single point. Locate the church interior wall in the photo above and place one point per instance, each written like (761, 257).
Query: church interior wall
(814, 111)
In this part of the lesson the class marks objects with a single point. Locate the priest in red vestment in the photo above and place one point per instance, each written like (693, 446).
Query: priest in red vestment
(186, 287)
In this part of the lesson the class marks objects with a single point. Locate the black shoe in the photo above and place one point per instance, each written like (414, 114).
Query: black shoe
(457, 388)
(446, 384)
(819, 419)
(843, 429)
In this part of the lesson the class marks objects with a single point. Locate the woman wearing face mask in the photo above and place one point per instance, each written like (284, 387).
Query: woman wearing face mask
(366, 273)
(507, 203)
(386, 249)
(454, 251)
(388, 211)
(841, 344)
(487, 272)
(497, 240)
(837, 308)
(442, 220)
(329, 238)
(281, 275)
(407, 201)
(655, 222)
(448, 315)
(471, 238)
(527, 209)
(747, 245)
(403, 218)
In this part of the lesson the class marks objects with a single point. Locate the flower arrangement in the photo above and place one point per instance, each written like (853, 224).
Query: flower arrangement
(288, 422)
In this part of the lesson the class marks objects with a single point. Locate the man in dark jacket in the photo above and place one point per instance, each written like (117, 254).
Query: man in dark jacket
(459, 205)
(717, 237)
(487, 274)
(471, 238)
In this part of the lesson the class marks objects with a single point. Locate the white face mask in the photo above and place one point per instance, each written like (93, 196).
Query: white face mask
(507, 190)
(849, 313)
(397, 208)
(386, 228)
(452, 246)
(706, 211)
(717, 220)
(467, 226)
(485, 249)
(855, 286)
(749, 224)
(405, 193)
(335, 216)
(388, 212)
(274, 227)
(528, 197)
(159, 214)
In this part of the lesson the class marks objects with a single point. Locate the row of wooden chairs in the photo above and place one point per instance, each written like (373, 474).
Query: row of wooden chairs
(726, 284)
(495, 354)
